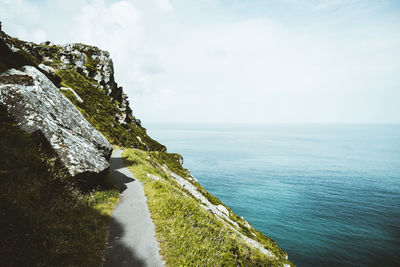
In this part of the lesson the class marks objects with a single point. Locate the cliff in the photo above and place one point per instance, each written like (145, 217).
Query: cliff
(61, 110)
(38, 106)
(85, 75)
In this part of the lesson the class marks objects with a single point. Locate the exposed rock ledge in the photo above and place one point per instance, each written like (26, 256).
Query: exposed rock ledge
(38, 106)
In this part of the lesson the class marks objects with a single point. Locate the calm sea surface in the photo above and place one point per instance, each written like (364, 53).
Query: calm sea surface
(327, 194)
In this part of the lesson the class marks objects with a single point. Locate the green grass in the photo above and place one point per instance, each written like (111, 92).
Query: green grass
(189, 235)
(101, 111)
(45, 219)
(172, 160)
(10, 59)
(91, 63)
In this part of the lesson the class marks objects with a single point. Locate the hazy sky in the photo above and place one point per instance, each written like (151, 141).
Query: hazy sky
(235, 61)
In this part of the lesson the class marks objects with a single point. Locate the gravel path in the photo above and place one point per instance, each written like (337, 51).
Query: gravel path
(131, 241)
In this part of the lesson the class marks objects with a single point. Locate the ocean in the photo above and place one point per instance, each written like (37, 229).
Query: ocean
(328, 194)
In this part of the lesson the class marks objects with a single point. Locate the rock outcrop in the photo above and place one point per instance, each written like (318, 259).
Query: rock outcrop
(38, 106)
(85, 75)
(89, 61)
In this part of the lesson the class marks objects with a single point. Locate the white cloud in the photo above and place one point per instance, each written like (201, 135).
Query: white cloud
(24, 13)
(124, 14)
(165, 5)
(211, 62)
(39, 36)
(18, 10)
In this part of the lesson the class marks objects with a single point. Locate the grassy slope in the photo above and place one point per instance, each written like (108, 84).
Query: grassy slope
(10, 59)
(45, 220)
(190, 235)
(100, 110)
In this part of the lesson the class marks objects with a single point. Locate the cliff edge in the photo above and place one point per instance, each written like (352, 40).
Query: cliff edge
(61, 111)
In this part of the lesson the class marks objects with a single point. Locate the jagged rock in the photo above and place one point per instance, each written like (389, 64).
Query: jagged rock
(47, 68)
(89, 61)
(37, 105)
(222, 209)
(95, 70)
(50, 73)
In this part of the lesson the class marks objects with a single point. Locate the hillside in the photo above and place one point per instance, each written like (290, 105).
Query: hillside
(55, 211)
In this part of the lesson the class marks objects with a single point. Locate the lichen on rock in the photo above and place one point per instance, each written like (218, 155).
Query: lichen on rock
(85, 70)
(38, 106)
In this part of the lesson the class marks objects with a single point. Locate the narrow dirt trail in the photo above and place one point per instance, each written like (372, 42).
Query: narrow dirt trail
(132, 239)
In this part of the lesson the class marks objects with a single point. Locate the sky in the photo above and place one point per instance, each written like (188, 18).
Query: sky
(235, 61)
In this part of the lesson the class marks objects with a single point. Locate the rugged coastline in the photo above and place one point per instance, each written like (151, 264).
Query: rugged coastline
(64, 102)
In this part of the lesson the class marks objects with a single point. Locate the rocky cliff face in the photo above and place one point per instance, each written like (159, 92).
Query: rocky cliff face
(90, 62)
(85, 75)
(38, 106)
(69, 95)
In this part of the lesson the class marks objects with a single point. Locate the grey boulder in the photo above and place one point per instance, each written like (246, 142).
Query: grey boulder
(37, 105)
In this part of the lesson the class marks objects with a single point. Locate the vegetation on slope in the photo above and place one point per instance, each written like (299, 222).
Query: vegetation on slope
(100, 110)
(45, 220)
(190, 235)
(10, 59)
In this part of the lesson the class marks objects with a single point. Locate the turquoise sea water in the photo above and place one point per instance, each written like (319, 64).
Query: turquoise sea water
(328, 194)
